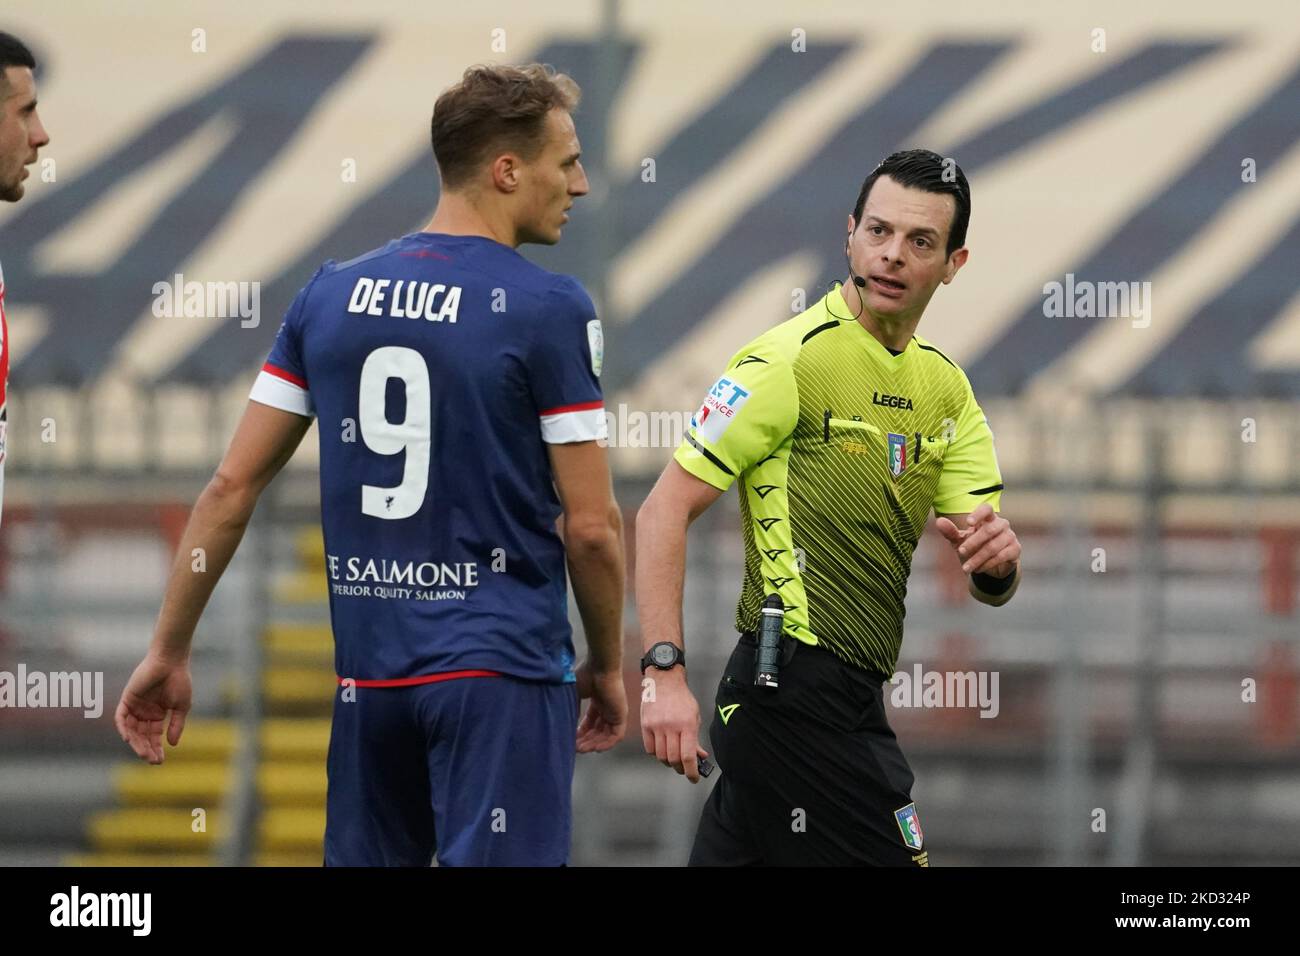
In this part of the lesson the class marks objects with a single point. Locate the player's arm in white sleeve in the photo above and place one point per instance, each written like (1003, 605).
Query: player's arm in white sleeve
(594, 551)
(564, 379)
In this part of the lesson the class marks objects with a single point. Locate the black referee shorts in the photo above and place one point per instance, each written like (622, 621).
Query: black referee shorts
(812, 775)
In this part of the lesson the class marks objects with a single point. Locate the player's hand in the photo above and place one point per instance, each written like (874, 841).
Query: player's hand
(987, 545)
(156, 687)
(670, 722)
(605, 722)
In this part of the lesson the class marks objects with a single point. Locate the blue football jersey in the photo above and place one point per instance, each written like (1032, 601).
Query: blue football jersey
(438, 368)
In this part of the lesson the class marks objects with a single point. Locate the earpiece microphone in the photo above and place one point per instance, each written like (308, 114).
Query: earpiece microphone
(858, 281)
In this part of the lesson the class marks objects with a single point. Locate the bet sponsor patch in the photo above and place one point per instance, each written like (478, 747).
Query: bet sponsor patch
(721, 405)
(719, 409)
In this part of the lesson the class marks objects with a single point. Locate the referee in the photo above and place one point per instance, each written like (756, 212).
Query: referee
(842, 429)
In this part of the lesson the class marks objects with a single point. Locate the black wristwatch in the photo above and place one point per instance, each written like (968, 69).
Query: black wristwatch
(665, 655)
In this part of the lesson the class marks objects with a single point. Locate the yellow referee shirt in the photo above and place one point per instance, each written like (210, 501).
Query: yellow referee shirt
(842, 450)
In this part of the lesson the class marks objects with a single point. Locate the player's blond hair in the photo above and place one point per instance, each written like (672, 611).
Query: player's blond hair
(495, 109)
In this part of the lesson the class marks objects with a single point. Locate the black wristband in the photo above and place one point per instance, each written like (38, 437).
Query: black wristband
(994, 586)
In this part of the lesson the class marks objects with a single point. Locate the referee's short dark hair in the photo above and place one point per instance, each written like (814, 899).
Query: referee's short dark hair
(923, 169)
(13, 52)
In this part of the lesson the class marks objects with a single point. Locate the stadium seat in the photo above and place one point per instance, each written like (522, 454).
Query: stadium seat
(292, 784)
(299, 644)
(310, 546)
(295, 739)
(187, 783)
(300, 587)
(136, 829)
(137, 859)
(298, 688)
(293, 829)
(285, 858)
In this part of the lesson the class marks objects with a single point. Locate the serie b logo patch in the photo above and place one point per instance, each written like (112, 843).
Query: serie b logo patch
(897, 453)
(909, 824)
(596, 345)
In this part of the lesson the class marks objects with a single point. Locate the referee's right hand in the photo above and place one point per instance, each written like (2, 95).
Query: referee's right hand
(670, 722)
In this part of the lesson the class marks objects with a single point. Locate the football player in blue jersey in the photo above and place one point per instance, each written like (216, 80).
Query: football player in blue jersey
(456, 387)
